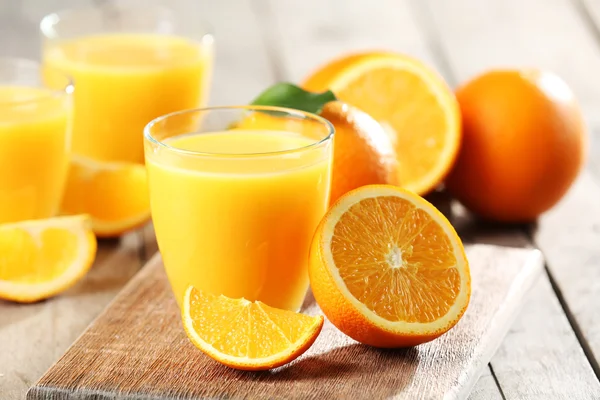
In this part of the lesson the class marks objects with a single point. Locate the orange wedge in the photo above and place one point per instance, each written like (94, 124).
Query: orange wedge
(114, 194)
(246, 335)
(387, 268)
(41, 258)
(412, 103)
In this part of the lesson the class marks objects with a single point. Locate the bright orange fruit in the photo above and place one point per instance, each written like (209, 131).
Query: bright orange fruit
(114, 194)
(246, 335)
(41, 258)
(524, 143)
(362, 152)
(388, 269)
(412, 103)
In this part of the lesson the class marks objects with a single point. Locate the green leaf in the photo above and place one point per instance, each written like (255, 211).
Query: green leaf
(291, 96)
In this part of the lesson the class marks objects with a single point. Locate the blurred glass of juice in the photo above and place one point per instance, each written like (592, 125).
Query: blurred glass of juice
(34, 140)
(131, 64)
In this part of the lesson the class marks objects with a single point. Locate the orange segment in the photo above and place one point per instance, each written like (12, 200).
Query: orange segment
(410, 101)
(41, 258)
(114, 194)
(387, 268)
(246, 335)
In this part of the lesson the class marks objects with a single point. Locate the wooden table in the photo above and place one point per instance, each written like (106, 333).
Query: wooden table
(553, 349)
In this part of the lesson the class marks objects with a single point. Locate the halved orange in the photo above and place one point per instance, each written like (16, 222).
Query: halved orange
(114, 194)
(246, 335)
(388, 269)
(41, 258)
(410, 100)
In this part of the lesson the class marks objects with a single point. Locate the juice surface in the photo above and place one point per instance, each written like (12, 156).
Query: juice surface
(34, 152)
(239, 226)
(123, 81)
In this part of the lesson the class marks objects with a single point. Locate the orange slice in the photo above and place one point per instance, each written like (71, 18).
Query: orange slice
(387, 268)
(411, 101)
(41, 258)
(114, 194)
(246, 335)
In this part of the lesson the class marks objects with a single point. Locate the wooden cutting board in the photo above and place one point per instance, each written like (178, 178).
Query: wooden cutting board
(137, 349)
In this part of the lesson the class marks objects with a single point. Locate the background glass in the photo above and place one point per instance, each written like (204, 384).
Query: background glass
(131, 63)
(35, 136)
(239, 222)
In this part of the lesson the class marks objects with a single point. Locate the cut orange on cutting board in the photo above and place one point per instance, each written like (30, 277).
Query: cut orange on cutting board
(246, 335)
(41, 258)
(114, 194)
(410, 100)
(388, 269)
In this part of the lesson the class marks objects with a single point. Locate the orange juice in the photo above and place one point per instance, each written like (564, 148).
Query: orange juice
(34, 152)
(125, 80)
(239, 224)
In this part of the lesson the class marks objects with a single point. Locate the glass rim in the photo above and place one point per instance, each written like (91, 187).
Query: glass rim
(17, 63)
(290, 111)
(48, 21)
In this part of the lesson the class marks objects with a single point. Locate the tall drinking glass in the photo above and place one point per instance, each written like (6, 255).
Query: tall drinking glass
(236, 194)
(131, 64)
(35, 135)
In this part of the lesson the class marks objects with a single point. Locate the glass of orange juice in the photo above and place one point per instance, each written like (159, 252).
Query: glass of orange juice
(236, 195)
(132, 63)
(35, 135)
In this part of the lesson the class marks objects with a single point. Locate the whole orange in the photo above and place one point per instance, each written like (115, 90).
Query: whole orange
(363, 153)
(523, 144)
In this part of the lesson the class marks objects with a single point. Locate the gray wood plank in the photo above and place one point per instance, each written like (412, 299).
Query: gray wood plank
(317, 38)
(540, 358)
(569, 236)
(548, 34)
(589, 12)
(542, 33)
(530, 351)
(306, 34)
(540, 341)
(486, 387)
